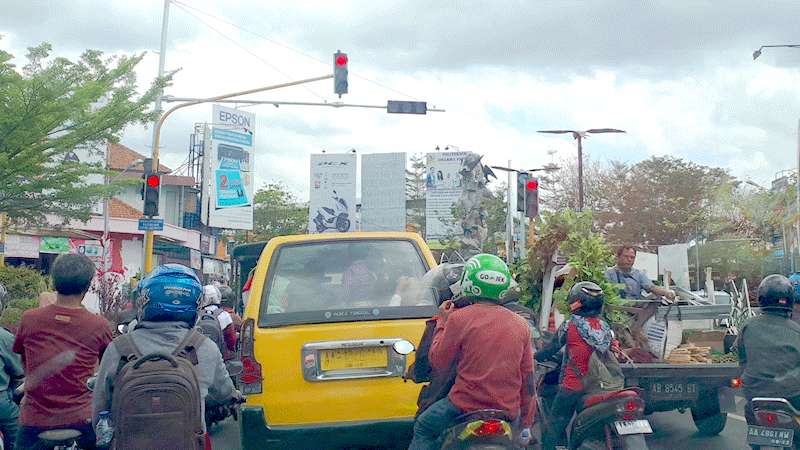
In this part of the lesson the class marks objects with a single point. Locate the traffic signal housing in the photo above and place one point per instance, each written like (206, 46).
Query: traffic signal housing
(340, 61)
(152, 186)
(532, 198)
(522, 181)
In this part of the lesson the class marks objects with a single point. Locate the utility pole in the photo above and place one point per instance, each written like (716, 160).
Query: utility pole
(797, 198)
(149, 237)
(509, 219)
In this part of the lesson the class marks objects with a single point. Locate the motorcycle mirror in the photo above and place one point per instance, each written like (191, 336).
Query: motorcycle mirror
(122, 328)
(403, 347)
(91, 382)
(235, 368)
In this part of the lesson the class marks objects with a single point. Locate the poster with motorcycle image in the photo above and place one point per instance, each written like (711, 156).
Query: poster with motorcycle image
(332, 193)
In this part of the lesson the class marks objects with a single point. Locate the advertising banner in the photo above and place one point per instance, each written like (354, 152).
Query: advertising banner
(22, 246)
(332, 194)
(383, 192)
(228, 172)
(442, 190)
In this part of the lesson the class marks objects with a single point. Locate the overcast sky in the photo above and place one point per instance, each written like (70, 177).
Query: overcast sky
(678, 76)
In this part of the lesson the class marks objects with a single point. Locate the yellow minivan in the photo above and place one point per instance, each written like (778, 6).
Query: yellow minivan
(322, 316)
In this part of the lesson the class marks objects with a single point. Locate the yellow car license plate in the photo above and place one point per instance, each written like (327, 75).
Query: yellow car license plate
(354, 358)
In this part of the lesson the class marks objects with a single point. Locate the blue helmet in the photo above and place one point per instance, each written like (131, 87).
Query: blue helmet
(795, 280)
(171, 292)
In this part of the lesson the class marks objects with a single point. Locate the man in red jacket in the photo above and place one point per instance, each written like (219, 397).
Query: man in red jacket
(492, 348)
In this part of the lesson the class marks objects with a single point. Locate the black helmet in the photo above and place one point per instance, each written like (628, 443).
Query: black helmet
(776, 292)
(586, 299)
(443, 278)
(227, 295)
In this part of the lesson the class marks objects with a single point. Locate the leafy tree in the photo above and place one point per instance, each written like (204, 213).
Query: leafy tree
(277, 213)
(51, 107)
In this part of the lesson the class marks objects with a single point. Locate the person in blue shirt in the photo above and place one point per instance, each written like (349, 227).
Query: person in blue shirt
(10, 376)
(634, 280)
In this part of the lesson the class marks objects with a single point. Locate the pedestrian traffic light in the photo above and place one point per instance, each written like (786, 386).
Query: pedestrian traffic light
(522, 181)
(532, 198)
(340, 73)
(152, 185)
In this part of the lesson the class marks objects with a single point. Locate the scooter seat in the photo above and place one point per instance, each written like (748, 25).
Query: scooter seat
(592, 400)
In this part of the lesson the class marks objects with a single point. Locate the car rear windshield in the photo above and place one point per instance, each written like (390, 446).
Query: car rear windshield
(345, 281)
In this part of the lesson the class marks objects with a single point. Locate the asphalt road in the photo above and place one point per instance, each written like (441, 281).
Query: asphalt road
(671, 431)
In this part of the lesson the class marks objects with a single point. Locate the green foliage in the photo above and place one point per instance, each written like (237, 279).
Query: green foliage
(52, 107)
(22, 282)
(12, 313)
(277, 213)
(570, 234)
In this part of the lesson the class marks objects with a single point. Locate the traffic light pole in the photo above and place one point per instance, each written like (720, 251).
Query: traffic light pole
(149, 237)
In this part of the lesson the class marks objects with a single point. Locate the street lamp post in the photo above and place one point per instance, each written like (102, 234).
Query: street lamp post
(756, 54)
(579, 136)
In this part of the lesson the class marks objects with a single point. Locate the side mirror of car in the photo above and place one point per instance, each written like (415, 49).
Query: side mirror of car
(403, 347)
(235, 368)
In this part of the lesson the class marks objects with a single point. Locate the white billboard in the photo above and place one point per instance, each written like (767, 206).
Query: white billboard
(442, 190)
(383, 192)
(228, 175)
(332, 194)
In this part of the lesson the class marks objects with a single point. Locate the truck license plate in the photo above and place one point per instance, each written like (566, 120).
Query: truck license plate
(777, 437)
(674, 391)
(633, 427)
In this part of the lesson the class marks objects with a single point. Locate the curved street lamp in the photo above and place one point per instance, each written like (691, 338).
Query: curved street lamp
(580, 136)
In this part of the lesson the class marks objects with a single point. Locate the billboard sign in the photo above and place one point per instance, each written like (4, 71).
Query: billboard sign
(332, 194)
(228, 170)
(383, 192)
(442, 190)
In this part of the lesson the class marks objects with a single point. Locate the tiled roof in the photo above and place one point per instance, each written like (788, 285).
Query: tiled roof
(122, 210)
(121, 157)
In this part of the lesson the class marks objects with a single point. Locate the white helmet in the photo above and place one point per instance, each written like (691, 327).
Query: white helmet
(211, 296)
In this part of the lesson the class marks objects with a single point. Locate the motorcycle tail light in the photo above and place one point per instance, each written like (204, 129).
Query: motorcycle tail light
(630, 408)
(773, 418)
(489, 427)
(736, 383)
(250, 377)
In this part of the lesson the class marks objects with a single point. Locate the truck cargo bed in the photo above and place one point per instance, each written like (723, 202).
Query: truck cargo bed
(666, 370)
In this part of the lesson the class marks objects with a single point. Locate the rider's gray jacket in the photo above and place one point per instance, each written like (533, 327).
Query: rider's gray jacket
(769, 352)
(164, 337)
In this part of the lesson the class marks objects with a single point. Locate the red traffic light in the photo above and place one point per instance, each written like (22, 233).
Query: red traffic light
(341, 60)
(153, 181)
(532, 185)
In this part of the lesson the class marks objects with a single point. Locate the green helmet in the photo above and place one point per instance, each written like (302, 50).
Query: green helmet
(485, 276)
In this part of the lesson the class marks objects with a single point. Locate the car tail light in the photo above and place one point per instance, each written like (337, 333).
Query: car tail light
(251, 377)
(489, 427)
(630, 408)
(736, 383)
(773, 418)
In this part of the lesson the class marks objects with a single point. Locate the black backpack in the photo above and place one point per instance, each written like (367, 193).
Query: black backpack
(208, 325)
(156, 402)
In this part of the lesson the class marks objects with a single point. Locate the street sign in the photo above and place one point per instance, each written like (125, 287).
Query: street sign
(402, 107)
(151, 224)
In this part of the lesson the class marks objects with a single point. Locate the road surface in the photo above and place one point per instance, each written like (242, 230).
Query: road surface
(672, 431)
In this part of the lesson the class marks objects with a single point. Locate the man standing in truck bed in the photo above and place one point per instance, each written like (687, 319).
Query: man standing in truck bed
(634, 280)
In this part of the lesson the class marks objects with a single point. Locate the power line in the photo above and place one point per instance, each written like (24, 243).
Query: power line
(212, 28)
(281, 44)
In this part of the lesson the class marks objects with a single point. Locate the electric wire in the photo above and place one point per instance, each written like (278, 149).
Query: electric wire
(280, 44)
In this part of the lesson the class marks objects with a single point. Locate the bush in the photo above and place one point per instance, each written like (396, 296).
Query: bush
(22, 282)
(10, 319)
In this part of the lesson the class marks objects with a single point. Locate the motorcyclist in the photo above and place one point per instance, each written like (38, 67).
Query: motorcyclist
(212, 304)
(167, 308)
(584, 333)
(769, 346)
(491, 347)
(228, 304)
(795, 280)
(10, 376)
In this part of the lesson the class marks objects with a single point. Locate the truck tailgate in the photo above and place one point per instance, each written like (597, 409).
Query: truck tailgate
(665, 370)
